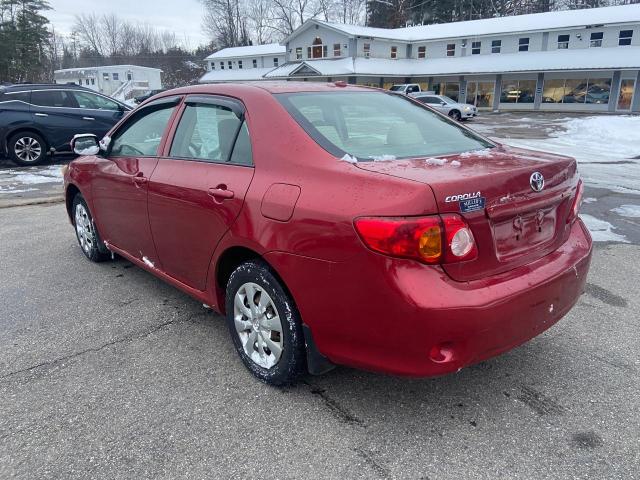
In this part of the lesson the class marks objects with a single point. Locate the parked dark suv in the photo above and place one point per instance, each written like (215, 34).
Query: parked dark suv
(37, 119)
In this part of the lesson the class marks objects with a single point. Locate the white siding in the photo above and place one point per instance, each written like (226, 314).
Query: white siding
(329, 37)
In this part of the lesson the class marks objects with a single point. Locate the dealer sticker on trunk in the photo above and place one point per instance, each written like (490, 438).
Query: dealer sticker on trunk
(471, 205)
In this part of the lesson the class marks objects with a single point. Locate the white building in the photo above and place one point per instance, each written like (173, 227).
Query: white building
(578, 60)
(118, 81)
(243, 63)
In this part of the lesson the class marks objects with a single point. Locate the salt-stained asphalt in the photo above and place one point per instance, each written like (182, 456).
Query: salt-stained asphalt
(106, 372)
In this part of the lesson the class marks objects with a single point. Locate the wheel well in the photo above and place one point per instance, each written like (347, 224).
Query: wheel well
(70, 194)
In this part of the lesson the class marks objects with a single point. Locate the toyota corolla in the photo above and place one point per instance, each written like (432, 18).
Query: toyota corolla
(335, 224)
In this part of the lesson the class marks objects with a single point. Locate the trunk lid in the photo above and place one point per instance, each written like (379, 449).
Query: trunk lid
(512, 223)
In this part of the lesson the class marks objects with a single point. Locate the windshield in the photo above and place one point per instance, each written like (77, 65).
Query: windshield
(397, 88)
(377, 126)
(447, 99)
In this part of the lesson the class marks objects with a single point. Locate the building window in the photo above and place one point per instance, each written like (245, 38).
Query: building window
(589, 90)
(563, 42)
(275, 61)
(367, 50)
(129, 76)
(105, 76)
(213, 65)
(496, 46)
(626, 94)
(240, 64)
(596, 39)
(221, 65)
(422, 52)
(116, 76)
(230, 65)
(480, 94)
(86, 81)
(451, 49)
(336, 50)
(298, 53)
(93, 81)
(523, 44)
(475, 48)
(518, 91)
(255, 63)
(625, 37)
(394, 52)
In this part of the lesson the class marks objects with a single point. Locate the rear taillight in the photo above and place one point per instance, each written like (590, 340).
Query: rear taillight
(577, 202)
(431, 240)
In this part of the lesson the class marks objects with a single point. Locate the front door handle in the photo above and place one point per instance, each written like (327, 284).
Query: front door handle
(41, 115)
(220, 193)
(139, 179)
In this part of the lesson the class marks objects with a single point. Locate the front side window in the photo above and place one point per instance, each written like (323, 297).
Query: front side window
(625, 37)
(141, 136)
(430, 100)
(207, 132)
(298, 53)
(376, 125)
(95, 102)
(475, 48)
(451, 50)
(563, 42)
(596, 39)
(422, 52)
(53, 98)
(523, 44)
(496, 46)
(394, 52)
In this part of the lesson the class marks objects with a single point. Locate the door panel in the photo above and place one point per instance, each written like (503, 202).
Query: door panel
(187, 219)
(119, 192)
(57, 118)
(99, 112)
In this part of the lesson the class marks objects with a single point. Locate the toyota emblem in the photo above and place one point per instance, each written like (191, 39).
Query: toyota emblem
(536, 181)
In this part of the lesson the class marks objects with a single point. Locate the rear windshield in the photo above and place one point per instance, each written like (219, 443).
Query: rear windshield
(377, 126)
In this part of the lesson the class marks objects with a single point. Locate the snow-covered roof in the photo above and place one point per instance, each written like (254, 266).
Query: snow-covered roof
(105, 67)
(493, 26)
(235, 75)
(556, 60)
(249, 51)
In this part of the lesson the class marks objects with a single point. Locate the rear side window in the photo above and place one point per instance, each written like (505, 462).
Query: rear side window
(374, 126)
(141, 136)
(53, 98)
(15, 96)
(208, 132)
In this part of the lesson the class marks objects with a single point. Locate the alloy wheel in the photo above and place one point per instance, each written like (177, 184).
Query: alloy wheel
(27, 149)
(258, 325)
(84, 228)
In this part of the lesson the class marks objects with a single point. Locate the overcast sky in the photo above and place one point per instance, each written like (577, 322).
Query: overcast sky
(184, 17)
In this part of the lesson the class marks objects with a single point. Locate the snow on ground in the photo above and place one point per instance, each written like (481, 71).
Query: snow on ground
(607, 148)
(20, 180)
(601, 231)
(632, 211)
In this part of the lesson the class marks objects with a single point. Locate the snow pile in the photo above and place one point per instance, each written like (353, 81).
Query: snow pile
(631, 211)
(349, 158)
(26, 180)
(601, 231)
(436, 161)
(604, 146)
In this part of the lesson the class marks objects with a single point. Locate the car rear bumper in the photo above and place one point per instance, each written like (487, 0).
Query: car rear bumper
(402, 317)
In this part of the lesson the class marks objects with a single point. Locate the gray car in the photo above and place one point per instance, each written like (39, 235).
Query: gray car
(448, 106)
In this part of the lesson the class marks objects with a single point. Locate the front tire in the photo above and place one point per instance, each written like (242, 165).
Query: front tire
(456, 115)
(27, 148)
(86, 232)
(265, 326)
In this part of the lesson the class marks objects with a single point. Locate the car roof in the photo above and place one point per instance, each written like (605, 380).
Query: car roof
(41, 86)
(268, 86)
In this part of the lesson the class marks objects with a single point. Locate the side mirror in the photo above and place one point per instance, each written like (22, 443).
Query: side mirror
(443, 103)
(85, 144)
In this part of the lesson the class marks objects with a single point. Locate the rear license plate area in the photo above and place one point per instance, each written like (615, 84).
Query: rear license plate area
(524, 233)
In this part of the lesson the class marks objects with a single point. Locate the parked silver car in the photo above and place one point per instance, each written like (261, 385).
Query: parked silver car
(448, 106)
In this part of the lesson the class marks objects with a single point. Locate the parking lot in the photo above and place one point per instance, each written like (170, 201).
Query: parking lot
(107, 372)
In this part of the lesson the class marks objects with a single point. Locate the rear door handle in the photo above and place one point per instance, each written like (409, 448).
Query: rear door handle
(88, 118)
(41, 115)
(139, 179)
(221, 193)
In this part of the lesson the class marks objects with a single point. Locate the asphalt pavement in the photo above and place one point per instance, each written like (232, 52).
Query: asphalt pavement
(107, 372)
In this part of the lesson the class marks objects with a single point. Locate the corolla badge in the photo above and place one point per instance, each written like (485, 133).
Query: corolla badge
(536, 181)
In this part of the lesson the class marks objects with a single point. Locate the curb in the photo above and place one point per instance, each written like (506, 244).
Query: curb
(31, 201)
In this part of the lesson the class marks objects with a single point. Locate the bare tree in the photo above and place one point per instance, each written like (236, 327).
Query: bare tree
(260, 16)
(226, 22)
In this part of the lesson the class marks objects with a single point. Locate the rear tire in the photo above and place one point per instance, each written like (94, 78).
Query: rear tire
(86, 231)
(265, 326)
(455, 114)
(27, 148)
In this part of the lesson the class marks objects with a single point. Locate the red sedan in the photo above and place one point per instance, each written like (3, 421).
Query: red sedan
(336, 224)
